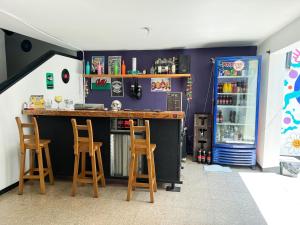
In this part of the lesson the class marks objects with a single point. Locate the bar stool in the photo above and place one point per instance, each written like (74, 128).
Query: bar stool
(141, 147)
(34, 144)
(83, 145)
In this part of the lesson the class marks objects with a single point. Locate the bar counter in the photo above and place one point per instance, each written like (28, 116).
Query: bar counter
(111, 114)
(165, 129)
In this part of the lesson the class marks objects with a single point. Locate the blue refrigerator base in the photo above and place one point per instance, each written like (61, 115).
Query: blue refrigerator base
(234, 156)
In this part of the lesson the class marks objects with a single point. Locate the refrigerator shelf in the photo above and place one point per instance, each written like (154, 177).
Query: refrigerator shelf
(235, 124)
(223, 93)
(232, 77)
(235, 106)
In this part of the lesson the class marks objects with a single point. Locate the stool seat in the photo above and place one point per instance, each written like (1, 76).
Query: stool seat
(30, 144)
(84, 146)
(143, 147)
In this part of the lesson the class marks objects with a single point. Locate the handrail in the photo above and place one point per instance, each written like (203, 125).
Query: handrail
(30, 67)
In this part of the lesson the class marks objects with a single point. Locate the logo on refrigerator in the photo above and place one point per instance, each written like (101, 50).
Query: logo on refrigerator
(238, 65)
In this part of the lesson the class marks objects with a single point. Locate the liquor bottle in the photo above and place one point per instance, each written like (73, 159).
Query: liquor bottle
(221, 117)
(123, 68)
(116, 68)
(199, 155)
(173, 66)
(230, 100)
(203, 156)
(152, 70)
(159, 67)
(218, 100)
(226, 100)
(87, 68)
(238, 87)
(208, 158)
(233, 87)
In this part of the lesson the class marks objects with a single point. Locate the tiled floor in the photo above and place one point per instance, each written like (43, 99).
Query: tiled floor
(205, 198)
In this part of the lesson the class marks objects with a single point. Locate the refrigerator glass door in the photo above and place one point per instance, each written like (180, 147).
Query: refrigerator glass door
(236, 101)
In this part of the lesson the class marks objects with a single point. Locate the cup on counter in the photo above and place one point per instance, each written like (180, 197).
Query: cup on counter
(68, 103)
(48, 104)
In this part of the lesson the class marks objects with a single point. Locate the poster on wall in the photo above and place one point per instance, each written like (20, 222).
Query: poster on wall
(290, 129)
(97, 83)
(49, 81)
(160, 84)
(114, 67)
(117, 87)
(114, 64)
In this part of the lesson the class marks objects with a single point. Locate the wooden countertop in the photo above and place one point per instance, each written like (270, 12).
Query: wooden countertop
(98, 113)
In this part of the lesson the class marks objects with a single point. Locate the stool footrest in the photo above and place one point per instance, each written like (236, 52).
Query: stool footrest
(139, 184)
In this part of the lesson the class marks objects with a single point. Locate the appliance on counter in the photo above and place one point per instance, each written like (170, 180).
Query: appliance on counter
(79, 106)
(236, 104)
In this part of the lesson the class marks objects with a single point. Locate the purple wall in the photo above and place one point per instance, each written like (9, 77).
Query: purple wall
(200, 70)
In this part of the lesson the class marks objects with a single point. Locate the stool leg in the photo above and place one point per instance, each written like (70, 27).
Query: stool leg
(135, 170)
(100, 165)
(49, 165)
(75, 175)
(94, 172)
(150, 177)
(83, 165)
(130, 177)
(153, 172)
(22, 168)
(31, 162)
(41, 171)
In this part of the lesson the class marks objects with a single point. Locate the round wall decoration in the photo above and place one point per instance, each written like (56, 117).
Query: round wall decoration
(26, 45)
(65, 76)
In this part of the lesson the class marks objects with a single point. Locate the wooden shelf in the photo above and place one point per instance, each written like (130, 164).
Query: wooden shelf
(137, 76)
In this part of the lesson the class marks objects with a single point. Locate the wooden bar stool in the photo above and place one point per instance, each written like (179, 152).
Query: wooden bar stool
(83, 145)
(141, 147)
(34, 144)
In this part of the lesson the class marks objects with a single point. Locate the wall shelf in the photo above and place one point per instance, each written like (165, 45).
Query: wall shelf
(137, 76)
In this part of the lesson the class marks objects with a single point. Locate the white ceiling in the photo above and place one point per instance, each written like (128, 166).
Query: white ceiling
(117, 24)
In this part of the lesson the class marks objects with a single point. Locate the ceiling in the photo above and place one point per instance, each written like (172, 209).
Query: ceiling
(118, 24)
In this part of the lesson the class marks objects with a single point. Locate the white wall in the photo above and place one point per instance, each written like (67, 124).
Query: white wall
(11, 104)
(3, 74)
(267, 155)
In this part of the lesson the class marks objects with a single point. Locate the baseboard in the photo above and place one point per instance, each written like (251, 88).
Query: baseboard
(10, 187)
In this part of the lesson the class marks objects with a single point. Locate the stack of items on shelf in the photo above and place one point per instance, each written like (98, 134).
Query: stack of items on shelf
(202, 138)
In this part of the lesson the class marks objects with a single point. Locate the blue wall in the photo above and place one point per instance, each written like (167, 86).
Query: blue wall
(200, 70)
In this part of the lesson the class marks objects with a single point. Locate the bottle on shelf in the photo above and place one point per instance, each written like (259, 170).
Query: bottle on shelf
(87, 68)
(159, 66)
(173, 66)
(123, 67)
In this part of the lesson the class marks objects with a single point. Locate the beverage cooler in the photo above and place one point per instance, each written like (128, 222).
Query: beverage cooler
(236, 95)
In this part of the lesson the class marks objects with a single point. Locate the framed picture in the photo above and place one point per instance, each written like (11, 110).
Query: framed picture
(112, 61)
(160, 84)
(95, 62)
(117, 87)
(96, 82)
